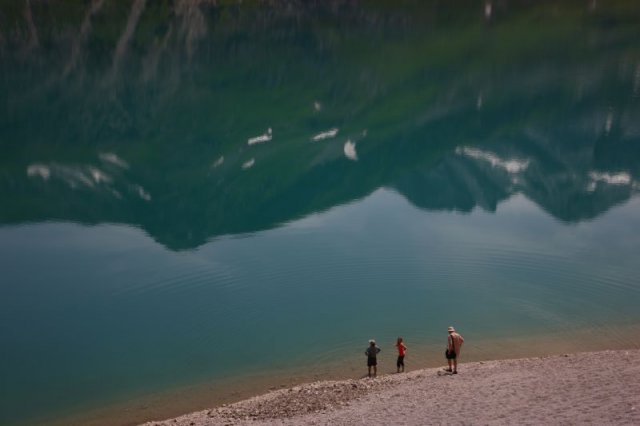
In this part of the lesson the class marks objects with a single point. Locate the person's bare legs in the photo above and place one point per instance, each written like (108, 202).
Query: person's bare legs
(449, 362)
(455, 366)
(375, 371)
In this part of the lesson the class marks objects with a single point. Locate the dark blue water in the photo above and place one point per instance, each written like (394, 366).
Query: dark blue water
(193, 193)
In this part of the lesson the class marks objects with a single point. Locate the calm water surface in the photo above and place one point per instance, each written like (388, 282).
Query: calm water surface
(194, 193)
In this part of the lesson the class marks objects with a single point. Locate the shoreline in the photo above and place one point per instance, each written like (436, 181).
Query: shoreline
(601, 387)
(175, 401)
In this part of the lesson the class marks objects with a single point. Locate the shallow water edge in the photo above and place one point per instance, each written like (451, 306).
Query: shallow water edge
(200, 396)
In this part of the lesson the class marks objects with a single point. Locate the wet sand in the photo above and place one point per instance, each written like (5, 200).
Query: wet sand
(590, 387)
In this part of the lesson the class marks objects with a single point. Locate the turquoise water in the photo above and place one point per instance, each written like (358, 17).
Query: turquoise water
(426, 165)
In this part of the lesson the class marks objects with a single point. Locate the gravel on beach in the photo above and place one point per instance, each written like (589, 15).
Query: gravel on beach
(591, 387)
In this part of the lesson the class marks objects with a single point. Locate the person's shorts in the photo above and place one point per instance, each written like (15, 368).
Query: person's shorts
(450, 355)
(372, 361)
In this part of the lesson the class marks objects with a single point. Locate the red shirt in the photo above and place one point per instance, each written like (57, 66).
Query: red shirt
(401, 349)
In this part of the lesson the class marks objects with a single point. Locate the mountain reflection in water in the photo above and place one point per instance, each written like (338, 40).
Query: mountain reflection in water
(140, 112)
(512, 126)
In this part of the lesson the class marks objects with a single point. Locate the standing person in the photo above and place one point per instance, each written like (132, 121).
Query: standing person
(454, 344)
(402, 349)
(372, 357)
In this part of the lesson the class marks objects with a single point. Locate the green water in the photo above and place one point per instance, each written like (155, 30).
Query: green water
(428, 164)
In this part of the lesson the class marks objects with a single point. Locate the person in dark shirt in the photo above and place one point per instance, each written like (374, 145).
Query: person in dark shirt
(372, 359)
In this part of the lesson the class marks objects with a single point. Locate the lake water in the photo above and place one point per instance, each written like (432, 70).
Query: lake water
(203, 199)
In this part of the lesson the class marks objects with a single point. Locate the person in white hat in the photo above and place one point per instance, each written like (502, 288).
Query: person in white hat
(454, 344)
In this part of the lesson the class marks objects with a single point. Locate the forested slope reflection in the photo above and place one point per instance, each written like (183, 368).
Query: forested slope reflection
(194, 119)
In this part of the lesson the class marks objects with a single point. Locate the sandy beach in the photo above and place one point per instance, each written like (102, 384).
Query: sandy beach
(583, 388)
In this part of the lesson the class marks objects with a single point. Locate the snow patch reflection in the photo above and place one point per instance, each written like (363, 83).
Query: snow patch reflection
(109, 157)
(142, 193)
(90, 177)
(74, 176)
(611, 178)
(510, 165)
(40, 170)
(99, 176)
(266, 137)
(331, 133)
(218, 162)
(248, 164)
(350, 150)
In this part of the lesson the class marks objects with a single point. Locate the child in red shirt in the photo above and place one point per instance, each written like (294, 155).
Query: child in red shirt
(401, 351)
